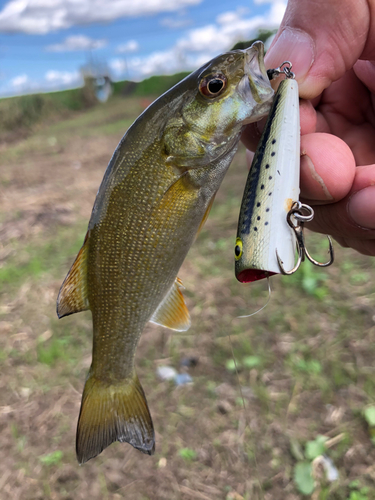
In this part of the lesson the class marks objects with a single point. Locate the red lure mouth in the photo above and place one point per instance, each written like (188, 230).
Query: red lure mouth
(249, 275)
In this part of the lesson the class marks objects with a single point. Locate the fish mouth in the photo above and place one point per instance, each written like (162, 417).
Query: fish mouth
(254, 61)
(256, 76)
(250, 275)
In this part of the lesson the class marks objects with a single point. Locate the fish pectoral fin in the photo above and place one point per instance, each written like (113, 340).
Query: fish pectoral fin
(172, 311)
(113, 412)
(72, 296)
(206, 214)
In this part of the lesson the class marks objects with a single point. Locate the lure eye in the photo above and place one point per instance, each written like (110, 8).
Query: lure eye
(213, 85)
(238, 249)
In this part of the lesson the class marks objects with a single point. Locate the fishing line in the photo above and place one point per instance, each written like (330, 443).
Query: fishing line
(243, 399)
(265, 305)
(239, 383)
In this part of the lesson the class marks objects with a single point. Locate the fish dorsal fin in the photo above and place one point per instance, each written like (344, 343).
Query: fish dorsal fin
(172, 312)
(72, 296)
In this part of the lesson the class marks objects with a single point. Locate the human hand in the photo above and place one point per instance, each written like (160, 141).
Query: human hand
(331, 44)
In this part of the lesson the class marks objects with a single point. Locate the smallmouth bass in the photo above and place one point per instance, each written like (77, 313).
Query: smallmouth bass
(155, 196)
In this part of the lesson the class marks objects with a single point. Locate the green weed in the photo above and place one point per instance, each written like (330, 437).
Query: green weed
(315, 448)
(247, 362)
(359, 278)
(35, 259)
(369, 414)
(358, 492)
(310, 366)
(303, 478)
(53, 458)
(187, 454)
(54, 350)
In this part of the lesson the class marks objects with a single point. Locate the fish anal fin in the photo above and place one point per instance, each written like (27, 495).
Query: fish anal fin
(72, 296)
(113, 412)
(172, 312)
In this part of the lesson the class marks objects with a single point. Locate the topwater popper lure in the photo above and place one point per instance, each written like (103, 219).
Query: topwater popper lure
(271, 220)
(155, 196)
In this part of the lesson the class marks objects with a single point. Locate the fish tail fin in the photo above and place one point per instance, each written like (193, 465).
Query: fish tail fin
(113, 412)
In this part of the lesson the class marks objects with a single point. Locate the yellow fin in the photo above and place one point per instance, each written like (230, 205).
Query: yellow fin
(72, 296)
(172, 312)
(113, 412)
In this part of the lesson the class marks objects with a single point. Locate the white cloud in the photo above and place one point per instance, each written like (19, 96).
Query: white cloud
(20, 81)
(44, 16)
(232, 16)
(189, 52)
(118, 66)
(166, 63)
(277, 12)
(58, 79)
(20, 84)
(202, 38)
(75, 43)
(130, 46)
(202, 44)
(53, 80)
(231, 27)
(160, 63)
(175, 22)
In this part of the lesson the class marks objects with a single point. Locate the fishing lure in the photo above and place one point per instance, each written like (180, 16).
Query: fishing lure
(271, 220)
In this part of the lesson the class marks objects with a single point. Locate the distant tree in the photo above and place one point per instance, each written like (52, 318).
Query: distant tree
(263, 36)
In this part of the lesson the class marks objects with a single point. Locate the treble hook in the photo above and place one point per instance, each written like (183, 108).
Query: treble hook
(296, 212)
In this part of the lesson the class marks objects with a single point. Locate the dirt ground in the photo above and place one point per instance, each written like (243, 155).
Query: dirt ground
(305, 362)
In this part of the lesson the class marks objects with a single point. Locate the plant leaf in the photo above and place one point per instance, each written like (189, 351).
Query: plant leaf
(251, 361)
(303, 478)
(296, 449)
(188, 454)
(369, 415)
(52, 458)
(315, 448)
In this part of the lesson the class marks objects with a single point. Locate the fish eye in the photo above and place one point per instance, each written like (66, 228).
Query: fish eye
(238, 249)
(213, 85)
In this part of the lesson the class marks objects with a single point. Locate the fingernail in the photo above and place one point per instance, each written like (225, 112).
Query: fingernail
(316, 190)
(295, 46)
(361, 207)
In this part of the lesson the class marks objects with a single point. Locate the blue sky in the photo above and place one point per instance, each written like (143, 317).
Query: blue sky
(44, 43)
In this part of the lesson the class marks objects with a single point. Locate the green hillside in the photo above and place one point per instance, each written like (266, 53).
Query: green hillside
(20, 114)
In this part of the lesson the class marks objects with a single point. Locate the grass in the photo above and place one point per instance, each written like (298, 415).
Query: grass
(305, 362)
(31, 261)
(22, 114)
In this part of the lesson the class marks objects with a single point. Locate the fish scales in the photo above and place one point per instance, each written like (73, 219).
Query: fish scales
(154, 197)
(158, 250)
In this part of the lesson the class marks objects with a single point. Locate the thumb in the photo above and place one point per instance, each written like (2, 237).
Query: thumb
(322, 39)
